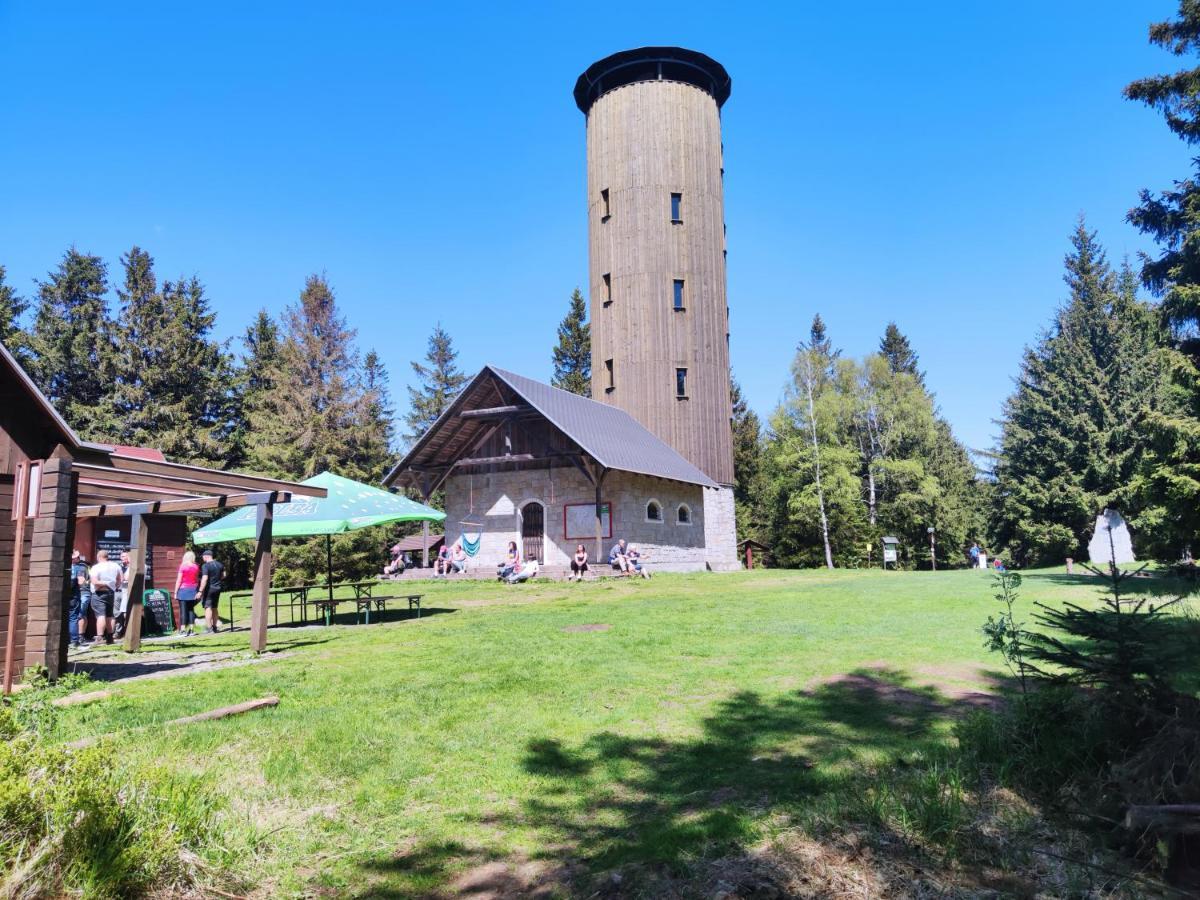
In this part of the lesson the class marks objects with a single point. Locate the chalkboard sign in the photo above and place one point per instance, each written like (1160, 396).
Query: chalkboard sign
(158, 617)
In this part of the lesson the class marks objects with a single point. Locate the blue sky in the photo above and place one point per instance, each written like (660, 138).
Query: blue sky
(917, 162)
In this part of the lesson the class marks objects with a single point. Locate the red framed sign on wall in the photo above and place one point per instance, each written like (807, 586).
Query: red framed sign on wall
(579, 521)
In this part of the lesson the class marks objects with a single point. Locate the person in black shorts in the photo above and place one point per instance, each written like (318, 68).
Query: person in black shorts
(212, 576)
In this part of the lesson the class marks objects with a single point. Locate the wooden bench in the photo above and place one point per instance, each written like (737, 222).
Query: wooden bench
(362, 605)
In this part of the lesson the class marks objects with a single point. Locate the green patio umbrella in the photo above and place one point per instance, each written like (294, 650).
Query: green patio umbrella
(350, 505)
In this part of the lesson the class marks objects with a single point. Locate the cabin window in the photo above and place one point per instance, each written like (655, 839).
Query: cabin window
(677, 208)
(654, 511)
(607, 276)
(608, 375)
(683, 515)
(604, 209)
(681, 383)
(677, 295)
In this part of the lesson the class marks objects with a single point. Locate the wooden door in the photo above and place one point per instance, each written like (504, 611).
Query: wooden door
(533, 531)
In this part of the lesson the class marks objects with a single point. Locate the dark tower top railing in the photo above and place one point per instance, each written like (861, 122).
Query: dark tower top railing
(652, 64)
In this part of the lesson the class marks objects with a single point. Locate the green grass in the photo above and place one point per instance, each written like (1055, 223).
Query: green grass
(710, 715)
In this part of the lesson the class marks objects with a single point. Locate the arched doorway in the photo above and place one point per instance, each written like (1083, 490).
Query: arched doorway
(533, 531)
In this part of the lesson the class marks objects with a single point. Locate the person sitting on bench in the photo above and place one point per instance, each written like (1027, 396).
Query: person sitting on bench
(617, 557)
(527, 571)
(396, 566)
(579, 563)
(512, 562)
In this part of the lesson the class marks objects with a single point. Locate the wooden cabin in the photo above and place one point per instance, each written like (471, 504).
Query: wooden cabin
(51, 481)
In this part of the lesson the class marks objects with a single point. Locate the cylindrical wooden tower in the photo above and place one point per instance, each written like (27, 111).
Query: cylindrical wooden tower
(656, 231)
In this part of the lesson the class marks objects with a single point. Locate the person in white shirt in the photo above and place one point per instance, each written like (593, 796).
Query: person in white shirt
(106, 581)
(527, 571)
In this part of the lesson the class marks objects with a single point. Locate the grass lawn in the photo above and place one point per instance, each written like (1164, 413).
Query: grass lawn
(499, 742)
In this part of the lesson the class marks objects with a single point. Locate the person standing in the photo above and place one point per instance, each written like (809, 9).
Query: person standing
(974, 554)
(187, 585)
(122, 600)
(212, 579)
(106, 581)
(80, 595)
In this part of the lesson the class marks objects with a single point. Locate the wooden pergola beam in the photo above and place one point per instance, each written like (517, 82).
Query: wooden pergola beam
(188, 504)
(189, 485)
(207, 481)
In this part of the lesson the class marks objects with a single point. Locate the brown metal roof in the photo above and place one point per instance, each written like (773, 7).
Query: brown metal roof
(610, 436)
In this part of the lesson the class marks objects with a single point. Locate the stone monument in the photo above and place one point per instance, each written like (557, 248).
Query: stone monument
(1110, 541)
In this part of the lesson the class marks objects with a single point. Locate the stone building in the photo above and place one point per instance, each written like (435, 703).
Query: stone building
(649, 459)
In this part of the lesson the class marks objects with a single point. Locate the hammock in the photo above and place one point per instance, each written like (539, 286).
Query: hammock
(471, 540)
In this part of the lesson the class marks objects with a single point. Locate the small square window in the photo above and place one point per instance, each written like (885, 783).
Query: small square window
(607, 288)
(608, 374)
(677, 208)
(677, 295)
(681, 382)
(605, 212)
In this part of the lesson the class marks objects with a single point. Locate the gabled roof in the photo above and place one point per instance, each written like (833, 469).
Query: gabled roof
(610, 436)
(21, 378)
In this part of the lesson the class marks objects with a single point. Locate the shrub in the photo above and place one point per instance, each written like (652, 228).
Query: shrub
(71, 822)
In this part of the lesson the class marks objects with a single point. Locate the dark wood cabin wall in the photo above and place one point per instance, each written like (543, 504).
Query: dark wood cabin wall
(8, 534)
(646, 141)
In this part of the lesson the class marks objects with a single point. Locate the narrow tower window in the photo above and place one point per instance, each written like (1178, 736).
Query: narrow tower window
(677, 298)
(604, 210)
(680, 382)
(607, 288)
(608, 374)
(654, 511)
(677, 208)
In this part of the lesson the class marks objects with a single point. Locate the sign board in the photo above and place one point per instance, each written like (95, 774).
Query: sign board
(889, 553)
(158, 615)
(579, 521)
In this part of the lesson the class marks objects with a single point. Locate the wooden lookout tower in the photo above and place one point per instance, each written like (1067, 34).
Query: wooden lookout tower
(656, 230)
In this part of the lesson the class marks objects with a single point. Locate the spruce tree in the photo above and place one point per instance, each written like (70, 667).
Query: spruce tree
(71, 347)
(374, 428)
(747, 464)
(1168, 480)
(1066, 449)
(173, 385)
(899, 353)
(439, 382)
(573, 353)
(306, 422)
(12, 307)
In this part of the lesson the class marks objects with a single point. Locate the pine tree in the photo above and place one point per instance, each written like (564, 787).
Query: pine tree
(899, 353)
(1065, 450)
(71, 348)
(439, 382)
(1168, 480)
(573, 354)
(12, 307)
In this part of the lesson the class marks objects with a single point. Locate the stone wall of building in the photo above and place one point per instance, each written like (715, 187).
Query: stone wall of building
(494, 502)
(720, 527)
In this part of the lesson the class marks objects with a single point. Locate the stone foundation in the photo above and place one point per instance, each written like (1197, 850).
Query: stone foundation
(495, 502)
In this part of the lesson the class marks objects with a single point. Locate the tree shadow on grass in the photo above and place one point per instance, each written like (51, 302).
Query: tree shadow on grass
(615, 800)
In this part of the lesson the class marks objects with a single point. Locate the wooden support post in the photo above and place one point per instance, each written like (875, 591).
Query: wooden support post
(262, 577)
(425, 542)
(139, 532)
(599, 480)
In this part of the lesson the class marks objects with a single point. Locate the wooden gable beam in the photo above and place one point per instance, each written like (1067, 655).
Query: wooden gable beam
(227, 482)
